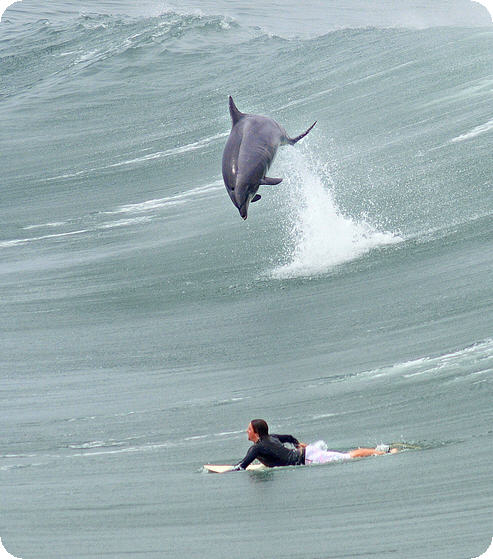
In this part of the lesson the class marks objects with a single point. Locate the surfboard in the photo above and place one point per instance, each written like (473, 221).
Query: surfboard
(223, 468)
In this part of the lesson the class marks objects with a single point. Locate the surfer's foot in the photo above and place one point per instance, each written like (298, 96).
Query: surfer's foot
(383, 448)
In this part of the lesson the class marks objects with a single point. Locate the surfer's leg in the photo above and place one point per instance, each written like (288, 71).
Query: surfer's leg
(362, 452)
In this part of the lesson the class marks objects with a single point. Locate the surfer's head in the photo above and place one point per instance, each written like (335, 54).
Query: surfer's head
(257, 429)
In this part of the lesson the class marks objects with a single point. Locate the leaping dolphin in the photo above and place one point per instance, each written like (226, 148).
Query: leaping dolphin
(248, 154)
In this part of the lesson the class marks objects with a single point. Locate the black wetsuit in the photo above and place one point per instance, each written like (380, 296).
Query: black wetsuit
(271, 451)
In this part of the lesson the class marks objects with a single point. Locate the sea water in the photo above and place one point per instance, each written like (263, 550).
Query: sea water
(143, 323)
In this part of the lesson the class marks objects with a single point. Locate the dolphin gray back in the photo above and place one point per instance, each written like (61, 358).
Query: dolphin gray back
(237, 115)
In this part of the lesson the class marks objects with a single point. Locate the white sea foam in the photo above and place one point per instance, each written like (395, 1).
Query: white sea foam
(96, 444)
(125, 222)
(473, 360)
(477, 131)
(182, 197)
(173, 151)
(103, 226)
(15, 242)
(321, 236)
(199, 144)
(196, 437)
(138, 208)
(43, 225)
(89, 452)
(465, 363)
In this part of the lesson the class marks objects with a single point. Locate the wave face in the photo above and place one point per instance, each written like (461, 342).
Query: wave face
(144, 323)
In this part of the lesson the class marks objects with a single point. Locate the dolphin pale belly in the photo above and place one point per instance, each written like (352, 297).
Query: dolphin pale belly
(248, 154)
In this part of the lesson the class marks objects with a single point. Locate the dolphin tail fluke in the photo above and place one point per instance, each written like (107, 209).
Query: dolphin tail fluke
(270, 182)
(234, 112)
(292, 141)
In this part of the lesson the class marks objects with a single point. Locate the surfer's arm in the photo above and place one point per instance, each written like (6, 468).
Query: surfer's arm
(249, 458)
(287, 439)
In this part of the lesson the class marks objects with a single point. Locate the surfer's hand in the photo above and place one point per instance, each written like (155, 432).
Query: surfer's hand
(302, 445)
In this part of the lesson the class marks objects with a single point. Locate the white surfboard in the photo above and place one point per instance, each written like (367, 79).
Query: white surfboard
(223, 468)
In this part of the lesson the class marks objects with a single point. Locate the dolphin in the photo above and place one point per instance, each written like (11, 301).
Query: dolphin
(248, 154)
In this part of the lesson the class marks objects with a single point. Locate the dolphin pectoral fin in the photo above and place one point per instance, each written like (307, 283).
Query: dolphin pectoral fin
(256, 198)
(270, 182)
(292, 141)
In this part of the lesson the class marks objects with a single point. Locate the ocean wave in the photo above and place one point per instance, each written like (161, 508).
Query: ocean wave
(171, 152)
(147, 206)
(90, 36)
(472, 365)
(193, 146)
(465, 363)
(45, 54)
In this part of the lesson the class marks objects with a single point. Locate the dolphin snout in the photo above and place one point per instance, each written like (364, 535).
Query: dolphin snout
(243, 210)
(242, 201)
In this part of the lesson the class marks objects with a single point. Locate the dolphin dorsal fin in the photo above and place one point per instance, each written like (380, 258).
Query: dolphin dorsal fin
(236, 115)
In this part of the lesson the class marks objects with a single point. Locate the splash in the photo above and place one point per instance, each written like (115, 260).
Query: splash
(488, 4)
(3, 6)
(320, 445)
(320, 236)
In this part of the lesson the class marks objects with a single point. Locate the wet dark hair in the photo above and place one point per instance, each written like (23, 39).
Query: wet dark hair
(260, 427)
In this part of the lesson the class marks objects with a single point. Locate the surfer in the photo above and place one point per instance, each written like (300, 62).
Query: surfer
(269, 449)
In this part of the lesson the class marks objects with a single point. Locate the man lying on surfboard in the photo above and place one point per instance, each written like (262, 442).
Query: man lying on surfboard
(270, 450)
